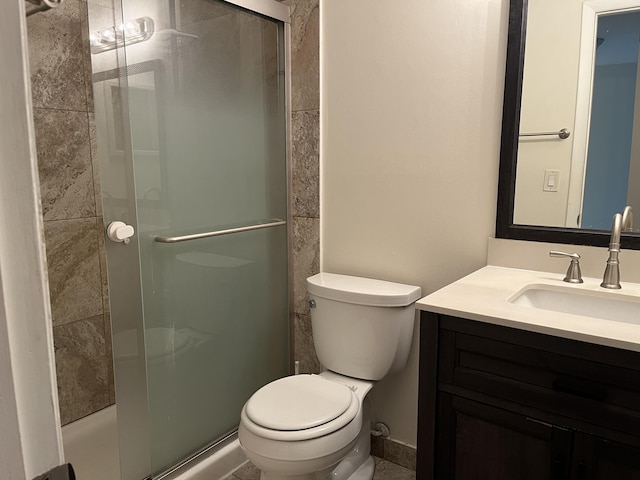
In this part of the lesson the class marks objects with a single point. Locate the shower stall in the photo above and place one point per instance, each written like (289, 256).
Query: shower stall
(191, 110)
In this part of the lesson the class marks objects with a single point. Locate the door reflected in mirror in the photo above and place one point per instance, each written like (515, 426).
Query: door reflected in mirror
(581, 75)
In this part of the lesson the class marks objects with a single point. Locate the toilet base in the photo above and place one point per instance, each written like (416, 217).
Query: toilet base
(364, 472)
(357, 465)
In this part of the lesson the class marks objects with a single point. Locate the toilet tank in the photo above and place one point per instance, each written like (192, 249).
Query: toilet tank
(361, 327)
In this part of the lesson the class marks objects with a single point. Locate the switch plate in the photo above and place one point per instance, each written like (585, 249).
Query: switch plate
(551, 180)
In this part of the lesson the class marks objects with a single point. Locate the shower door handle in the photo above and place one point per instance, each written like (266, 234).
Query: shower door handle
(274, 222)
(120, 232)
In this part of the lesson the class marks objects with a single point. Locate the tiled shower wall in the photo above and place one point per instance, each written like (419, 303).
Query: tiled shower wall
(72, 208)
(305, 139)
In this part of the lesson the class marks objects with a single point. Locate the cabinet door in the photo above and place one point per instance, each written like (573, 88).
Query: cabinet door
(478, 442)
(596, 458)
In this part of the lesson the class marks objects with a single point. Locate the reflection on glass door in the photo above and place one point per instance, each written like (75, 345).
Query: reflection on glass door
(199, 321)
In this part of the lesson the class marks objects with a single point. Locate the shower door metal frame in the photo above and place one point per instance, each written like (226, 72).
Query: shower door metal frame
(268, 8)
(273, 10)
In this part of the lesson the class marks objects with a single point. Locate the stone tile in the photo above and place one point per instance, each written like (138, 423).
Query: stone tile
(106, 309)
(74, 269)
(305, 58)
(270, 57)
(102, 252)
(247, 472)
(303, 349)
(305, 153)
(395, 452)
(400, 454)
(81, 367)
(64, 164)
(100, 15)
(196, 11)
(108, 340)
(56, 58)
(86, 55)
(100, 3)
(306, 262)
(390, 471)
(95, 163)
(377, 446)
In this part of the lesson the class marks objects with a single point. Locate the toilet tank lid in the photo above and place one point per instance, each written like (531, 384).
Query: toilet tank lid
(362, 291)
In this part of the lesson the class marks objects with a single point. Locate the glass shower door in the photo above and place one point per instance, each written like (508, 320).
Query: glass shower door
(199, 297)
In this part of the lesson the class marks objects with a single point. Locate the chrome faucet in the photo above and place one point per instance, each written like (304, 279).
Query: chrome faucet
(627, 219)
(611, 278)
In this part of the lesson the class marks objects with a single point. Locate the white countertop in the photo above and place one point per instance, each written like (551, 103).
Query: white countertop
(483, 296)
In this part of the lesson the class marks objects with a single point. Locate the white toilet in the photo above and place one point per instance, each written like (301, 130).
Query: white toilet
(316, 427)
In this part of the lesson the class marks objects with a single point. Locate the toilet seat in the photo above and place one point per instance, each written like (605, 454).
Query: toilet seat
(300, 407)
(298, 402)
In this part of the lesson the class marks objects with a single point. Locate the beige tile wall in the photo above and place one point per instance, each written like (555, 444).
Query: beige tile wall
(305, 139)
(71, 210)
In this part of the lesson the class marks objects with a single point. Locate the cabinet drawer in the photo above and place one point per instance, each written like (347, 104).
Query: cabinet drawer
(572, 379)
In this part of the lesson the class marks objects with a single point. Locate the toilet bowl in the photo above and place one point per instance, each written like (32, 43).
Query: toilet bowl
(317, 427)
(303, 426)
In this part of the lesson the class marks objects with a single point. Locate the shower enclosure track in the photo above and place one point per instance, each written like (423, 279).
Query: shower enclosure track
(193, 459)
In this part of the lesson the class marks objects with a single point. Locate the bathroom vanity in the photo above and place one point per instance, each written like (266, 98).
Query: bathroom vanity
(512, 387)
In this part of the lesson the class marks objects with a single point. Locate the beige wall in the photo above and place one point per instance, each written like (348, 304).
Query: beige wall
(410, 130)
(549, 91)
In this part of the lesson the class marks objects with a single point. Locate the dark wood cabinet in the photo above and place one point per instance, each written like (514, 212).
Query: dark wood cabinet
(597, 458)
(480, 442)
(503, 404)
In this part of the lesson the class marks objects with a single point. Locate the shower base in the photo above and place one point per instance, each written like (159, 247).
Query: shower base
(91, 446)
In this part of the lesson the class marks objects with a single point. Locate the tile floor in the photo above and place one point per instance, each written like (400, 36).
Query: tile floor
(384, 471)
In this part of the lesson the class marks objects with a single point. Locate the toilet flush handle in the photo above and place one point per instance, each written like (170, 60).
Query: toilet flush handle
(312, 303)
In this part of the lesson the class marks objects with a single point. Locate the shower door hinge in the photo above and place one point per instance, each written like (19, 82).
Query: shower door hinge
(61, 472)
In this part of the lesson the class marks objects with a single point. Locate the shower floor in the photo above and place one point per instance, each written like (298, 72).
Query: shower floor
(91, 446)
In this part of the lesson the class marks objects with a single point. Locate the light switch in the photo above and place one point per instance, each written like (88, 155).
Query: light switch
(551, 180)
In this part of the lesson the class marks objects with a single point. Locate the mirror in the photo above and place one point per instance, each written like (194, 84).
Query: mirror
(571, 65)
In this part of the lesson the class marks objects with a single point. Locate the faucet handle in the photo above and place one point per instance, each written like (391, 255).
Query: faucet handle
(574, 275)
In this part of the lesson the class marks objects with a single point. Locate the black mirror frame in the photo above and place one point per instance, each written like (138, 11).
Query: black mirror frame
(505, 228)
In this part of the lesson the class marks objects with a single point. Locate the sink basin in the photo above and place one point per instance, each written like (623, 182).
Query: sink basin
(587, 303)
